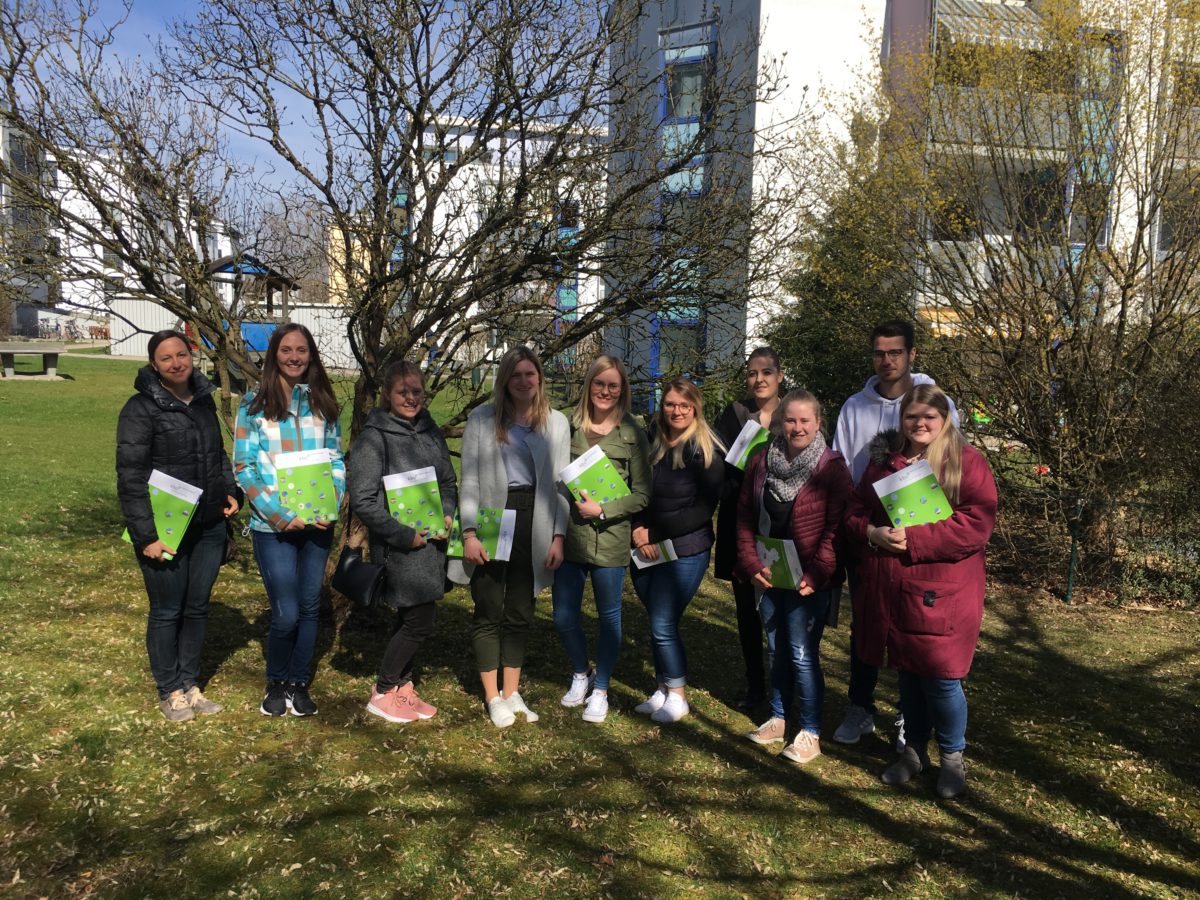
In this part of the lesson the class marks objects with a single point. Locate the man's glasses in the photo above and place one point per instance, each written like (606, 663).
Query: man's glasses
(889, 354)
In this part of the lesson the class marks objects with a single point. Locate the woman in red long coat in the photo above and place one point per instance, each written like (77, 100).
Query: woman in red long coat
(920, 597)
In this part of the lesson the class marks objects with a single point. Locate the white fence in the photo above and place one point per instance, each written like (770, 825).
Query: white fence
(134, 321)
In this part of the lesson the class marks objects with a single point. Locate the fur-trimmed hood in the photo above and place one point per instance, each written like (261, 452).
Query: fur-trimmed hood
(884, 444)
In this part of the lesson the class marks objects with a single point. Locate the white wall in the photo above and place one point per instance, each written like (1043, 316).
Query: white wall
(825, 49)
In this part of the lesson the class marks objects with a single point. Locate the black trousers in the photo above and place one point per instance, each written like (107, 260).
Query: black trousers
(414, 625)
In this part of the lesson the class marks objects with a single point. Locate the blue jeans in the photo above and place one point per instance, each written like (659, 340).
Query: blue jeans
(666, 590)
(567, 596)
(292, 564)
(178, 592)
(933, 704)
(794, 626)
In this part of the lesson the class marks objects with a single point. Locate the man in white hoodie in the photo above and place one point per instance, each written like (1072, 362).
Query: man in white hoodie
(874, 409)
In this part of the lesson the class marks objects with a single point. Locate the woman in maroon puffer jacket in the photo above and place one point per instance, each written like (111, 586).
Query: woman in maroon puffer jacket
(797, 490)
(920, 595)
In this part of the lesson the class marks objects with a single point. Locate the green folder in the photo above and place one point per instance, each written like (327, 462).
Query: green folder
(750, 440)
(913, 496)
(781, 557)
(494, 528)
(306, 487)
(414, 500)
(594, 472)
(173, 503)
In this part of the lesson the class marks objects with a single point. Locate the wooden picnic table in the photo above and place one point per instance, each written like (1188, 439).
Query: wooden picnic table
(9, 350)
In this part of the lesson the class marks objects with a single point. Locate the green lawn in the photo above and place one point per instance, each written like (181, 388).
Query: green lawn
(1084, 771)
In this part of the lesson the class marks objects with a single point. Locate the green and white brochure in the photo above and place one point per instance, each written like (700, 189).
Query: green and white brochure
(172, 502)
(594, 472)
(494, 528)
(780, 556)
(666, 553)
(750, 440)
(306, 487)
(414, 500)
(913, 496)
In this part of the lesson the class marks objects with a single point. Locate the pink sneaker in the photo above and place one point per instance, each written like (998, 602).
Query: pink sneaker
(391, 706)
(409, 694)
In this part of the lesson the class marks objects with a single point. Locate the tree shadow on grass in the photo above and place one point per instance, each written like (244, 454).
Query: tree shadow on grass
(565, 795)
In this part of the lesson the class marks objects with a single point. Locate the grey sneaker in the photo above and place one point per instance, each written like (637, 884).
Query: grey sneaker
(858, 722)
(176, 707)
(909, 764)
(952, 778)
(201, 704)
(769, 732)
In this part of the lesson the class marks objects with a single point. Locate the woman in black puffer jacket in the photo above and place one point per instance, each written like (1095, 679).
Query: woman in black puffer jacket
(170, 426)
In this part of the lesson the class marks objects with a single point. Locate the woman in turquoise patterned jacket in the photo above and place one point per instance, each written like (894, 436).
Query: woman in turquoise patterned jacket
(293, 410)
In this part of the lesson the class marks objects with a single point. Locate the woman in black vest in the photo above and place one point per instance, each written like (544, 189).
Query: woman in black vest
(170, 425)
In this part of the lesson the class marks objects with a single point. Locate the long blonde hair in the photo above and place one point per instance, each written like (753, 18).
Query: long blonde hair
(697, 436)
(583, 410)
(944, 454)
(539, 413)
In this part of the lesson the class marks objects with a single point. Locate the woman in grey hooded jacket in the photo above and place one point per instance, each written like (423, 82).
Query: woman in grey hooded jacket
(399, 437)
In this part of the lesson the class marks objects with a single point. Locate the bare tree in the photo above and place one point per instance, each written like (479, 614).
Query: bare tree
(138, 176)
(1039, 174)
(463, 154)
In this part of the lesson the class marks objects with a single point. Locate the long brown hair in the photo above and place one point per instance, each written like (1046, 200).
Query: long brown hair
(273, 400)
(698, 436)
(945, 452)
(583, 411)
(539, 413)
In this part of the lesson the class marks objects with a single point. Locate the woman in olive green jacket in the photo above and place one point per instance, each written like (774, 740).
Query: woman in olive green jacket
(598, 537)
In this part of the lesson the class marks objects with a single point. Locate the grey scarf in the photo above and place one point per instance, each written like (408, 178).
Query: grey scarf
(785, 478)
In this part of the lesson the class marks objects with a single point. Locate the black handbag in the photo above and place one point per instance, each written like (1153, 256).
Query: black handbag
(358, 579)
(355, 577)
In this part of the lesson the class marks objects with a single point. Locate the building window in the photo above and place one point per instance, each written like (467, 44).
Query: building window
(1041, 194)
(1089, 213)
(1179, 214)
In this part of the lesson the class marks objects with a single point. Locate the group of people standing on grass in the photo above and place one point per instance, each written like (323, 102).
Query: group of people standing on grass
(917, 591)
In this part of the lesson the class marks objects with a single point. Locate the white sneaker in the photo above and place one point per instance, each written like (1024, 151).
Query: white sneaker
(597, 707)
(673, 709)
(858, 722)
(517, 705)
(651, 704)
(502, 715)
(581, 686)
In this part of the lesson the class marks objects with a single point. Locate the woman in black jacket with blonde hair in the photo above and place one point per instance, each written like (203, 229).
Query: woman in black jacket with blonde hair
(170, 426)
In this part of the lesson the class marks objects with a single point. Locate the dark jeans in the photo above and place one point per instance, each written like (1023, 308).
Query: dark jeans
(794, 626)
(607, 584)
(178, 592)
(503, 595)
(863, 676)
(666, 590)
(750, 635)
(292, 564)
(414, 625)
(933, 704)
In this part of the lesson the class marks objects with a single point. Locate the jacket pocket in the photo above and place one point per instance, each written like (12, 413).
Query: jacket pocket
(928, 607)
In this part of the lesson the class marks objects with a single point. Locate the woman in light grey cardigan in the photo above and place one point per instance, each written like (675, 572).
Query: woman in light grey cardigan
(512, 452)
